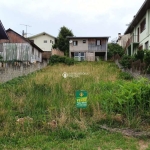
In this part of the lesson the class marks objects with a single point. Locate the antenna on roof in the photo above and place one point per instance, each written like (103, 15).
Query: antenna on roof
(26, 27)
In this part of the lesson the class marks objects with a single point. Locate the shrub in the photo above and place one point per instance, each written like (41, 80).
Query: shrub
(54, 59)
(60, 59)
(126, 61)
(147, 58)
(130, 99)
(69, 61)
(139, 55)
(125, 76)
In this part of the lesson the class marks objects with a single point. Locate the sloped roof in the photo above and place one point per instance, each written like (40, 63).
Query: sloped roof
(34, 45)
(43, 33)
(3, 34)
(88, 37)
(137, 18)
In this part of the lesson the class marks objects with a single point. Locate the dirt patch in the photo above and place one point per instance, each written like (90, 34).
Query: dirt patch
(127, 132)
(143, 145)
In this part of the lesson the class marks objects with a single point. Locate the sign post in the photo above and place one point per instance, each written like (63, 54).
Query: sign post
(81, 100)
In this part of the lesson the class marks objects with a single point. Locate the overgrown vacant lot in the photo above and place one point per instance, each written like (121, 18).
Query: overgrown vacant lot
(39, 112)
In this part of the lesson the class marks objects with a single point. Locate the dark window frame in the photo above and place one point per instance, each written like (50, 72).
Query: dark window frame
(98, 44)
(75, 43)
(84, 41)
(143, 25)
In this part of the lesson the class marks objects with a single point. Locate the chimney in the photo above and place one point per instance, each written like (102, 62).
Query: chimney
(23, 33)
(119, 34)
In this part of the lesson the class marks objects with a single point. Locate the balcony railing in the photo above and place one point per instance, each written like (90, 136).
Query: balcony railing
(97, 48)
(132, 39)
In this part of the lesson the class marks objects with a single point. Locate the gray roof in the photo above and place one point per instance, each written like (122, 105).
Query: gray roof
(88, 37)
(3, 34)
(137, 18)
(43, 33)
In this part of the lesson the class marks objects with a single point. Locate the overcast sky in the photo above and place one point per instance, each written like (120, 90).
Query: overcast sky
(83, 17)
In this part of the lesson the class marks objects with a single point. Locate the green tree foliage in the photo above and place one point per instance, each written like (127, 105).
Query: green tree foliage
(62, 42)
(114, 49)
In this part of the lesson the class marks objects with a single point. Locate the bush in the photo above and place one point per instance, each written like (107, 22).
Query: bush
(126, 61)
(130, 99)
(139, 55)
(69, 61)
(147, 57)
(60, 59)
(54, 59)
(125, 76)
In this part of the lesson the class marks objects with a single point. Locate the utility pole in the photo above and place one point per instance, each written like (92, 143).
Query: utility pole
(26, 27)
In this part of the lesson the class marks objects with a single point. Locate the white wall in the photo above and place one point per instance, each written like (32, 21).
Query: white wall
(39, 41)
(145, 35)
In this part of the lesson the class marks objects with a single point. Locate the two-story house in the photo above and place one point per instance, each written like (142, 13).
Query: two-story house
(45, 41)
(88, 48)
(139, 30)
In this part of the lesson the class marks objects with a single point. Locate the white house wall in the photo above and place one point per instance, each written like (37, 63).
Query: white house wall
(145, 35)
(39, 41)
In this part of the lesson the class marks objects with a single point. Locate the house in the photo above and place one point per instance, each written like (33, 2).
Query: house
(19, 48)
(139, 30)
(122, 39)
(88, 48)
(45, 42)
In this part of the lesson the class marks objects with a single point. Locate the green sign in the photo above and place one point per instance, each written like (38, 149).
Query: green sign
(81, 99)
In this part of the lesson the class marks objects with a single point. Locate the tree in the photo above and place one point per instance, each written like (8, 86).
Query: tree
(62, 42)
(114, 49)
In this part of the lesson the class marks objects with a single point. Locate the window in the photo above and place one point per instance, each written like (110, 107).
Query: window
(76, 54)
(45, 41)
(50, 41)
(75, 43)
(84, 41)
(98, 42)
(79, 56)
(146, 45)
(82, 54)
(143, 25)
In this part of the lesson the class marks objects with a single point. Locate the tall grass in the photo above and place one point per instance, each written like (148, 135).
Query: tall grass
(45, 96)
